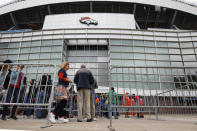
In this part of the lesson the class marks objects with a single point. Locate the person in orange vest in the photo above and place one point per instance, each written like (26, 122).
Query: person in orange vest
(126, 102)
(97, 100)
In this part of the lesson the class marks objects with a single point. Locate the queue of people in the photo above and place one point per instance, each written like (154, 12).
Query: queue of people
(13, 81)
(15, 89)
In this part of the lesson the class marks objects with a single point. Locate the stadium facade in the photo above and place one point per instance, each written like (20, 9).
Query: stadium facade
(101, 34)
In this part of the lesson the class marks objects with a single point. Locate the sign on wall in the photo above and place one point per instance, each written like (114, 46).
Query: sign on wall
(90, 20)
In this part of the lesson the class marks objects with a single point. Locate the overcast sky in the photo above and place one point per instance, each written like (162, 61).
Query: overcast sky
(5, 1)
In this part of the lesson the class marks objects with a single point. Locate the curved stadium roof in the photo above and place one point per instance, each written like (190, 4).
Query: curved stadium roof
(25, 14)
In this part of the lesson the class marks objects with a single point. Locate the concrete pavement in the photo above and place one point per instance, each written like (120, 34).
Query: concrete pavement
(121, 124)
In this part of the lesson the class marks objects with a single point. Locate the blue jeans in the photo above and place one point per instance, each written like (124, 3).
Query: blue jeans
(113, 111)
(40, 99)
(28, 111)
(12, 96)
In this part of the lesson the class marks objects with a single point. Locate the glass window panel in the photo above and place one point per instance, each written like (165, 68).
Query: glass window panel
(34, 61)
(163, 57)
(45, 49)
(190, 63)
(149, 43)
(3, 45)
(195, 44)
(44, 61)
(139, 56)
(150, 50)
(23, 57)
(72, 53)
(127, 55)
(151, 63)
(162, 44)
(115, 62)
(127, 42)
(150, 56)
(175, 57)
(56, 55)
(80, 53)
(139, 49)
(47, 43)
(127, 63)
(126, 48)
(44, 55)
(36, 43)
(13, 51)
(14, 45)
(139, 63)
(115, 48)
(172, 44)
(3, 57)
(25, 50)
(3, 51)
(56, 48)
(115, 42)
(162, 50)
(188, 51)
(115, 55)
(138, 43)
(26, 44)
(160, 63)
(75, 59)
(187, 44)
(102, 53)
(189, 58)
(36, 49)
(34, 56)
(12, 57)
(176, 64)
(174, 51)
(57, 42)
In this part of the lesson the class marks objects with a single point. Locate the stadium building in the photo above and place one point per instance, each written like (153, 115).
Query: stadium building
(101, 34)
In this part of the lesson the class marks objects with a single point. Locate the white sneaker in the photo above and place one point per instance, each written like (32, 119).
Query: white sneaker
(62, 120)
(85, 119)
(52, 118)
(94, 119)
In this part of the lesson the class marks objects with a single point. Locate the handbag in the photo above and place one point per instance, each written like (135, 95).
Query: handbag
(61, 92)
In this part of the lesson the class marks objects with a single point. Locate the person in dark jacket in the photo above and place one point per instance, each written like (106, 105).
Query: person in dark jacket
(83, 79)
(5, 73)
(43, 93)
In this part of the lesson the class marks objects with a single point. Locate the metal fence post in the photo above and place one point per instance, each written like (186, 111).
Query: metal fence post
(50, 102)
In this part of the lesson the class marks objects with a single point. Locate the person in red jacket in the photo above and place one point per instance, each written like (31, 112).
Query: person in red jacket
(126, 102)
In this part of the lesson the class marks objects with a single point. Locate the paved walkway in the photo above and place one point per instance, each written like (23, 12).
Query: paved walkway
(121, 124)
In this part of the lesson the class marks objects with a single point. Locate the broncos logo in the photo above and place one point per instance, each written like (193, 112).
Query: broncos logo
(88, 21)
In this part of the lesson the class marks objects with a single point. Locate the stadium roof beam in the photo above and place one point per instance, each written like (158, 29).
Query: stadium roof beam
(171, 21)
(147, 16)
(91, 6)
(134, 9)
(49, 9)
(14, 21)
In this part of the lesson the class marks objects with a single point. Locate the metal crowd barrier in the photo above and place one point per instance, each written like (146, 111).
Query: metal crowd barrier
(31, 91)
(154, 91)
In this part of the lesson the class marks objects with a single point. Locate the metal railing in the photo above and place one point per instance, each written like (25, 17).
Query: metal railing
(153, 91)
(28, 88)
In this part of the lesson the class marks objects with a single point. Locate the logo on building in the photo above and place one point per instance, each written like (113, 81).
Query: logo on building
(88, 21)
